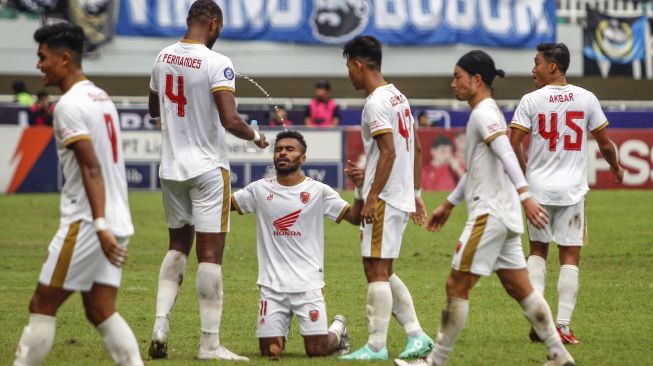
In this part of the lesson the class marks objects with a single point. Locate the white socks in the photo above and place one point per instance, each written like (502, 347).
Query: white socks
(120, 341)
(538, 313)
(567, 293)
(209, 295)
(403, 308)
(453, 320)
(379, 312)
(36, 341)
(170, 277)
(337, 327)
(537, 272)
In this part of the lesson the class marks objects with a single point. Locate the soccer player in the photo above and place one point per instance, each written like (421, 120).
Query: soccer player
(558, 116)
(91, 244)
(289, 211)
(391, 193)
(192, 91)
(491, 240)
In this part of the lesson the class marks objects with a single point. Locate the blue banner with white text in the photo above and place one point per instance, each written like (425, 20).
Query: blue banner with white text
(494, 23)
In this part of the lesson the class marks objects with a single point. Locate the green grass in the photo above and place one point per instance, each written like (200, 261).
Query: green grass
(613, 318)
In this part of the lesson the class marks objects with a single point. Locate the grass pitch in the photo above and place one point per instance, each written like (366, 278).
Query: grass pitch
(613, 318)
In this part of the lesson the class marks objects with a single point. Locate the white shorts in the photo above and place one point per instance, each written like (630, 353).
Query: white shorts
(277, 308)
(75, 259)
(203, 201)
(487, 245)
(383, 238)
(567, 226)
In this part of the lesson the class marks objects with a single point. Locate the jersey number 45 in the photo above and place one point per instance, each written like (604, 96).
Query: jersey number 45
(552, 135)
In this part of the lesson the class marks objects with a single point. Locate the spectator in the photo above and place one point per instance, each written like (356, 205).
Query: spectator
(279, 118)
(40, 114)
(423, 119)
(442, 173)
(21, 95)
(322, 111)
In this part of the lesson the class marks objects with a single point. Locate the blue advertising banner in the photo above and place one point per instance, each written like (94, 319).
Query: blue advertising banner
(496, 23)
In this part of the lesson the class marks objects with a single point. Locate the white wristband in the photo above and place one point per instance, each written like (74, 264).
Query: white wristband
(524, 196)
(100, 224)
(257, 136)
(358, 194)
(418, 193)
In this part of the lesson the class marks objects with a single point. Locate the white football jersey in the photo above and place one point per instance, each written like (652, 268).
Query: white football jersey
(86, 112)
(290, 230)
(184, 76)
(488, 188)
(558, 119)
(388, 111)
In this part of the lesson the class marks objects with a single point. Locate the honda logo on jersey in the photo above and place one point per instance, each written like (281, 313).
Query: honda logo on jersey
(304, 197)
(283, 224)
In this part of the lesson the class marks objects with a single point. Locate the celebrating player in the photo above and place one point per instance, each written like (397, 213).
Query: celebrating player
(91, 243)
(491, 239)
(391, 193)
(290, 246)
(558, 116)
(192, 90)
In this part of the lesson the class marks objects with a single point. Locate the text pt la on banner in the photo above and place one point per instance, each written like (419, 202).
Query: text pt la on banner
(494, 23)
(618, 40)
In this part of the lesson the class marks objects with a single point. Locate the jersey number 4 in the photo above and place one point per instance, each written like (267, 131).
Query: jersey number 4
(179, 99)
(403, 131)
(553, 135)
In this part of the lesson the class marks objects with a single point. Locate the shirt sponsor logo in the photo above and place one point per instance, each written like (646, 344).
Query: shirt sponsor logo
(284, 223)
(304, 197)
(270, 197)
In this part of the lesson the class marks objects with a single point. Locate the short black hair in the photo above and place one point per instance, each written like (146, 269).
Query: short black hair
(19, 86)
(556, 53)
(62, 35)
(203, 10)
(440, 141)
(41, 94)
(323, 84)
(366, 48)
(290, 134)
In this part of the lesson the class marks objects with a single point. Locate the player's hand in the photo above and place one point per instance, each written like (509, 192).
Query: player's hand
(368, 214)
(115, 253)
(618, 174)
(439, 217)
(419, 216)
(535, 213)
(355, 174)
(263, 142)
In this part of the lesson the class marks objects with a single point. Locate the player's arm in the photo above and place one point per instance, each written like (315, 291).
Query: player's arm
(357, 176)
(153, 104)
(385, 143)
(501, 147)
(440, 215)
(335, 120)
(93, 181)
(609, 152)
(225, 100)
(419, 216)
(517, 135)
